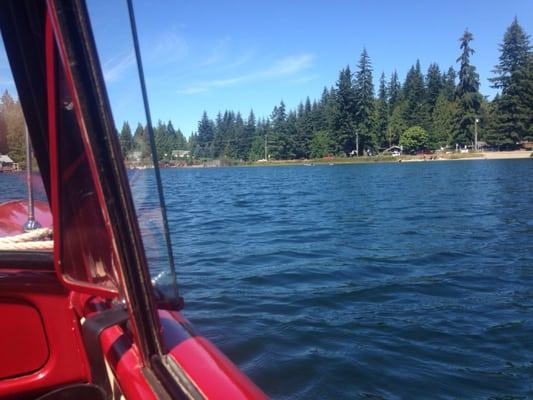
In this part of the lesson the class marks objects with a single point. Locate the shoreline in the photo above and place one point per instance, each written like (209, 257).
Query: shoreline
(500, 155)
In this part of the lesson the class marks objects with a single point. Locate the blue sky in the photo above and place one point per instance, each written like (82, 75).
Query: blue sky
(217, 55)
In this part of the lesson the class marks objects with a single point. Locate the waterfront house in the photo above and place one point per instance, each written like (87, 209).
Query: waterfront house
(395, 151)
(482, 146)
(6, 163)
(180, 154)
(135, 156)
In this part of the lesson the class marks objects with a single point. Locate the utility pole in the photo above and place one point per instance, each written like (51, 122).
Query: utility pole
(475, 132)
(266, 147)
(357, 143)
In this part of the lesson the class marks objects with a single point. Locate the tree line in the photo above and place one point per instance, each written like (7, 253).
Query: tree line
(426, 111)
(12, 129)
(136, 144)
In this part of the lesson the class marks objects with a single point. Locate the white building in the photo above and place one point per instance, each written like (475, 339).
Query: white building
(180, 153)
(6, 163)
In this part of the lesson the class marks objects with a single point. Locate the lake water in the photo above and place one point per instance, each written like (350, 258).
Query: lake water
(392, 281)
(363, 281)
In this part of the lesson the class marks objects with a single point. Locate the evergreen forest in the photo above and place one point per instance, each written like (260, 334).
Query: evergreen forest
(427, 110)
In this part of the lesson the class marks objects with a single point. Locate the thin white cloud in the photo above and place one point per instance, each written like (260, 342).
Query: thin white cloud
(243, 59)
(307, 78)
(115, 67)
(193, 90)
(222, 58)
(168, 48)
(218, 53)
(290, 65)
(229, 81)
(285, 67)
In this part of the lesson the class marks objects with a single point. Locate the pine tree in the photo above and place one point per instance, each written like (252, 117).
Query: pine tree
(514, 53)
(394, 91)
(126, 139)
(193, 145)
(277, 136)
(382, 106)
(258, 150)
(292, 146)
(170, 139)
(364, 104)
(249, 134)
(225, 133)
(434, 86)
(305, 127)
(527, 86)
(307, 107)
(514, 108)
(414, 96)
(206, 133)
(344, 117)
(486, 123)
(219, 142)
(467, 94)
(141, 141)
(325, 117)
(448, 80)
(181, 141)
(235, 138)
(160, 139)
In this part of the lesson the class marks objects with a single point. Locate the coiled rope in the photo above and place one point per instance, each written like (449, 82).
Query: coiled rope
(37, 239)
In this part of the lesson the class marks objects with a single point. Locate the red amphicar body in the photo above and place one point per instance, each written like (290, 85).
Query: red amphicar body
(14, 214)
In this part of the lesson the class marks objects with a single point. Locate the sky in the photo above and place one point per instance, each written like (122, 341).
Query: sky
(242, 55)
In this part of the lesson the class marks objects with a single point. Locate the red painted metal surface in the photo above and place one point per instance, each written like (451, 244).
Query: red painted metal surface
(123, 357)
(212, 373)
(209, 369)
(23, 345)
(14, 214)
(86, 234)
(66, 362)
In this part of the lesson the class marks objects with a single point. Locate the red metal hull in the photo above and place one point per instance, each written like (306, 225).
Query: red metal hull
(14, 214)
(54, 354)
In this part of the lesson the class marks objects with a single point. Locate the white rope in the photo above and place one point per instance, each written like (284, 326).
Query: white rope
(41, 245)
(37, 239)
(27, 236)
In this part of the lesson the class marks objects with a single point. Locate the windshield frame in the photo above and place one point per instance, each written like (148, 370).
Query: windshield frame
(80, 61)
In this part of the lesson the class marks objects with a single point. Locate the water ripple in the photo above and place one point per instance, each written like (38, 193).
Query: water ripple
(364, 281)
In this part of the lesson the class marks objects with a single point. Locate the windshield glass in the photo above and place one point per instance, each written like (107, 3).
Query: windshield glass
(142, 161)
(25, 219)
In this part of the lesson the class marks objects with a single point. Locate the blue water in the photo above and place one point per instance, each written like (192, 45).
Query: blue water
(391, 281)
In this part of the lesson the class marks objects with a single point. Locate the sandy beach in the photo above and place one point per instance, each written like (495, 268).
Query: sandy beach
(489, 155)
(503, 155)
